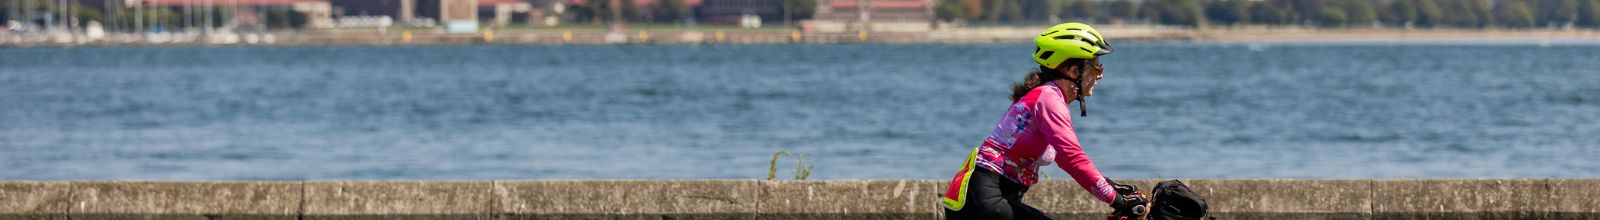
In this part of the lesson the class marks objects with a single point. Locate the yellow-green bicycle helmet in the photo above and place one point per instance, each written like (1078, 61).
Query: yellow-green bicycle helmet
(1068, 41)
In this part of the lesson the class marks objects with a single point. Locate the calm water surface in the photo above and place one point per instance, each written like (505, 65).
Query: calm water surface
(1189, 110)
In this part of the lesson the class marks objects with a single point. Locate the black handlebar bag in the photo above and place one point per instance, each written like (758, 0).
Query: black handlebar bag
(1175, 201)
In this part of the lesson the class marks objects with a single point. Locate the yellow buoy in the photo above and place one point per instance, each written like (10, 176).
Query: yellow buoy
(862, 35)
(719, 36)
(488, 36)
(566, 36)
(644, 36)
(794, 36)
(405, 36)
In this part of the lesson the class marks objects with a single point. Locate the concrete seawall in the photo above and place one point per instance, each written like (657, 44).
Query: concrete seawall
(755, 199)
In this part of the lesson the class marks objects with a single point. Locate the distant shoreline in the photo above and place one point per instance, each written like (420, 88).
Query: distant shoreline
(1395, 35)
(584, 36)
(767, 199)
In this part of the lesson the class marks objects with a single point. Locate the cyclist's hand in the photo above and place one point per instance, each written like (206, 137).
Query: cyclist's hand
(1130, 204)
(1124, 189)
(1121, 189)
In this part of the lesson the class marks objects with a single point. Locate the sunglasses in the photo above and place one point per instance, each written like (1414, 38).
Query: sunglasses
(1098, 69)
(1095, 70)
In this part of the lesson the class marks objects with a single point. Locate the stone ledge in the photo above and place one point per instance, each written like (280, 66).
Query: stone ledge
(184, 200)
(755, 199)
(399, 200)
(34, 200)
(621, 199)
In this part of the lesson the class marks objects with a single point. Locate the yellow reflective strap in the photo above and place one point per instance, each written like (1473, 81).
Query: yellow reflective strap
(964, 175)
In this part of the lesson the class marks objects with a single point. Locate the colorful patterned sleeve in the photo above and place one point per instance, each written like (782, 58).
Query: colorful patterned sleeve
(1055, 124)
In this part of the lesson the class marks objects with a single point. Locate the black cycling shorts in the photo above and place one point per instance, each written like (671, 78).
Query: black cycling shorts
(990, 196)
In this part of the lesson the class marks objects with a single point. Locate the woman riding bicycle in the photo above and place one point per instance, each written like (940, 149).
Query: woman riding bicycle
(1036, 131)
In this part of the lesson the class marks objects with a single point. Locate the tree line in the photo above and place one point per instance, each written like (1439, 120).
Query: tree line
(666, 11)
(1513, 14)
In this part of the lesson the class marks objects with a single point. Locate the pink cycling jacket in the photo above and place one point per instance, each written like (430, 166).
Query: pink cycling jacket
(1037, 131)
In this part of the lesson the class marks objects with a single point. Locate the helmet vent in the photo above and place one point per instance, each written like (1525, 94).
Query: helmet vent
(1066, 37)
(1085, 49)
(1046, 55)
(1052, 32)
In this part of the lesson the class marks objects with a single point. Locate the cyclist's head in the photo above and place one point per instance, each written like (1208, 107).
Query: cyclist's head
(1065, 52)
(1068, 54)
(1072, 50)
(1068, 43)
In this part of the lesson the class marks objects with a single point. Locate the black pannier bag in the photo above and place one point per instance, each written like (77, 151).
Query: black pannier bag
(1175, 201)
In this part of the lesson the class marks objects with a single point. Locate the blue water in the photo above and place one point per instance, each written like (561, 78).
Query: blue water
(1186, 110)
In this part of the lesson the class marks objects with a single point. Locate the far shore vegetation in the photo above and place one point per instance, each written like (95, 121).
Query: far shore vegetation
(1454, 14)
(1204, 14)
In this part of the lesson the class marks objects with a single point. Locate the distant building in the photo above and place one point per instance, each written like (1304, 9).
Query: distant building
(878, 10)
(426, 12)
(503, 12)
(400, 10)
(690, 3)
(641, 4)
(319, 12)
(874, 15)
(457, 16)
(731, 11)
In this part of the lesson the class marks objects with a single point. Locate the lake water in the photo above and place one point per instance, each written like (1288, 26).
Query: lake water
(1185, 110)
